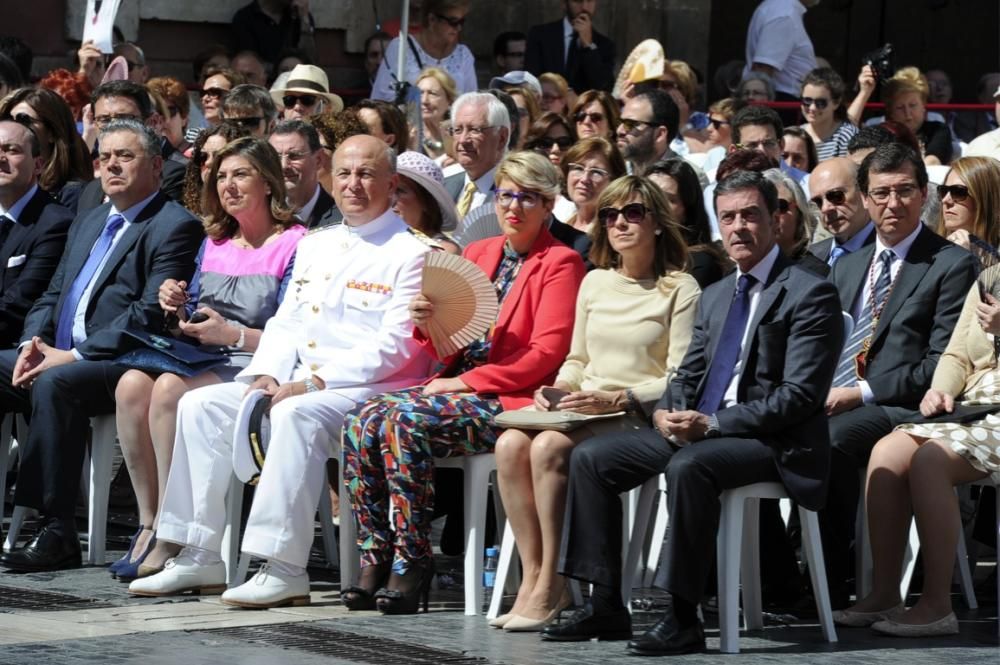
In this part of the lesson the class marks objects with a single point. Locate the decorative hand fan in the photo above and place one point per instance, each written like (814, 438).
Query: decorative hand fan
(478, 226)
(646, 62)
(465, 302)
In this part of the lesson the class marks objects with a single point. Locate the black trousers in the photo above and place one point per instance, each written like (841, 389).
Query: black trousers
(853, 434)
(59, 404)
(603, 467)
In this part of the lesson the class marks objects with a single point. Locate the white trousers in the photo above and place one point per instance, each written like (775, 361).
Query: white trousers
(305, 432)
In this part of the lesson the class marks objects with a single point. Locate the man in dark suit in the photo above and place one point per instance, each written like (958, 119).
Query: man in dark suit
(116, 258)
(746, 406)
(571, 47)
(834, 188)
(33, 229)
(905, 292)
(116, 100)
(298, 147)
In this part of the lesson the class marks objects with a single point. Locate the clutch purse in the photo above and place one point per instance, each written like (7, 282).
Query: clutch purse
(962, 414)
(560, 421)
(159, 354)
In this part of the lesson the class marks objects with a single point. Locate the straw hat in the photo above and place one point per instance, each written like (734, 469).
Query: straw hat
(308, 80)
(422, 170)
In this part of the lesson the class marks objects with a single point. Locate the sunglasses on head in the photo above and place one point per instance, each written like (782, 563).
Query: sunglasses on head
(22, 119)
(958, 192)
(545, 143)
(290, 100)
(245, 123)
(453, 22)
(593, 117)
(718, 124)
(633, 213)
(834, 196)
(218, 93)
(819, 102)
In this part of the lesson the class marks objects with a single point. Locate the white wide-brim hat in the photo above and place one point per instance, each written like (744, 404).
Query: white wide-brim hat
(425, 172)
(308, 80)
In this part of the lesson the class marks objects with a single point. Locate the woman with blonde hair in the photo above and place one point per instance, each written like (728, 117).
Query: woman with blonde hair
(970, 201)
(437, 92)
(527, 112)
(640, 287)
(242, 271)
(556, 95)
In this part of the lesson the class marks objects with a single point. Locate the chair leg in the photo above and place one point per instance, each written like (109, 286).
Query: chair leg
(17, 518)
(350, 564)
(728, 544)
(640, 525)
(753, 610)
(862, 548)
(231, 536)
(659, 533)
(504, 564)
(909, 561)
(476, 492)
(104, 434)
(963, 574)
(812, 545)
(327, 529)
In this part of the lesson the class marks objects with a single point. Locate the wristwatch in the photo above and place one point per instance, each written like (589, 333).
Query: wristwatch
(311, 386)
(713, 431)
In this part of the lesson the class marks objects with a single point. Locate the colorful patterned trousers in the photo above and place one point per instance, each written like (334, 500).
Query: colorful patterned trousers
(389, 445)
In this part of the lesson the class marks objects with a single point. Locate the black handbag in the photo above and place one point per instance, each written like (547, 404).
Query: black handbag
(159, 354)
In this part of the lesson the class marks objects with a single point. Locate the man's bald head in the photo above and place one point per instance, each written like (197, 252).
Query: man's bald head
(364, 178)
(833, 185)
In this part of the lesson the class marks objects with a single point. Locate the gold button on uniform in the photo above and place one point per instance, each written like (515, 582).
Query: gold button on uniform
(315, 309)
(365, 303)
(313, 367)
(312, 344)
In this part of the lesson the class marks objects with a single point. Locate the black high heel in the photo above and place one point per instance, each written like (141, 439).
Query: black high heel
(357, 597)
(392, 601)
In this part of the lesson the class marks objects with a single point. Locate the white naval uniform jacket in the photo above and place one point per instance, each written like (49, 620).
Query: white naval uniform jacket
(345, 315)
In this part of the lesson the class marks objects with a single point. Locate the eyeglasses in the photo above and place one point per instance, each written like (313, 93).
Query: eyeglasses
(102, 120)
(834, 197)
(783, 205)
(582, 172)
(527, 200)
(819, 102)
(24, 119)
(218, 93)
(472, 131)
(451, 20)
(633, 213)
(548, 97)
(958, 192)
(718, 124)
(631, 125)
(545, 143)
(522, 112)
(881, 195)
(593, 117)
(766, 144)
(250, 123)
(290, 100)
(293, 156)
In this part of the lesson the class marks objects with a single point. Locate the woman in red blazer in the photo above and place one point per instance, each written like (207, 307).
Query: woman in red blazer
(391, 440)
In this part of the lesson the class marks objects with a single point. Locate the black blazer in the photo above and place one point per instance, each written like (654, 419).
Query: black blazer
(28, 258)
(594, 68)
(574, 239)
(171, 184)
(918, 318)
(324, 213)
(161, 244)
(821, 250)
(787, 368)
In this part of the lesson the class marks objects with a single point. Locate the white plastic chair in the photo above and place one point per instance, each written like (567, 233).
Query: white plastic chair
(739, 561)
(651, 494)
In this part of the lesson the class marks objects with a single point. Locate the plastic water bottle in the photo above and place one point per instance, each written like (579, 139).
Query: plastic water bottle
(490, 569)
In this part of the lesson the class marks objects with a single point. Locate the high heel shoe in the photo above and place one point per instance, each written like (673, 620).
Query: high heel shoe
(501, 621)
(522, 624)
(357, 597)
(393, 601)
(125, 560)
(134, 569)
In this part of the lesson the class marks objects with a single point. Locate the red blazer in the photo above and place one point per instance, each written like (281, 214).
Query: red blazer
(535, 323)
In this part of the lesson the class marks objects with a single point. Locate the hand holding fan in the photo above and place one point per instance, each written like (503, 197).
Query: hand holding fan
(465, 302)
(989, 274)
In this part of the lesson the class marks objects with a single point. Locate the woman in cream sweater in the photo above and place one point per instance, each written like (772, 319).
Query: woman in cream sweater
(913, 472)
(634, 317)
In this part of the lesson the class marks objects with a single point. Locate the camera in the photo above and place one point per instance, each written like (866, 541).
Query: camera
(881, 61)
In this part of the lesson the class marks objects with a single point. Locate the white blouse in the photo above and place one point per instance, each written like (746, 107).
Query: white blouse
(460, 64)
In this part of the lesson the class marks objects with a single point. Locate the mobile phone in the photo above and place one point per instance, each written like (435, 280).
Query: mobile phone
(553, 395)
(198, 317)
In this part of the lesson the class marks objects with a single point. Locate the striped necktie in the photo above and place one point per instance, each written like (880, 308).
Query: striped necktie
(465, 201)
(847, 374)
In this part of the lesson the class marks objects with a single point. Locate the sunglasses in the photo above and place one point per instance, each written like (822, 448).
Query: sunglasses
(819, 102)
(246, 123)
(23, 119)
(290, 100)
(718, 124)
(634, 213)
(631, 125)
(218, 93)
(783, 205)
(958, 192)
(593, 117)
(545, 143)
(834, 197)
(453, 22)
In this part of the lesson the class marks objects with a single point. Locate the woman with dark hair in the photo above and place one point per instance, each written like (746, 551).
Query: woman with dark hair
(588, 167)
(595, 114)
(67, 166)
(551, 136)
(175, 122)
(527, 111)
(246, 260)
(826, 118)
(333, 129)
(385, 121)
(680, 186)
(800, 150)
(634, 317)
(218, 82)
(423, 202)
(208, 143)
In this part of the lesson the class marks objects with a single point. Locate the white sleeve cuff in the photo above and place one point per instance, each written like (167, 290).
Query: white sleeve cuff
(867, 396)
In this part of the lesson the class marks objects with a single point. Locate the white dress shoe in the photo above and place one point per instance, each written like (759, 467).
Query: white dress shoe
(181, 575)
(269, 588)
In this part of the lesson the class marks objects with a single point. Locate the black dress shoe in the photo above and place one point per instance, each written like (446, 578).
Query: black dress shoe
(667, 638)
(54, 548)
(586, 625)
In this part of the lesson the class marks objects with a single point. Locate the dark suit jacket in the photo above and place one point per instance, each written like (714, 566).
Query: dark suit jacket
(161, 244)
(821, 250)
(918, 318)
(171, 184)
(574, 239)
(35, 244)
(594, 68)
(788, 365)
(324, 213)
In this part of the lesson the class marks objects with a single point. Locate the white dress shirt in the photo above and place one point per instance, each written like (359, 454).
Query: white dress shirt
(307, 210)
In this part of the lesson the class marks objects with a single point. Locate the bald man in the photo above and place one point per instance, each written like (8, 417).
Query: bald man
(834, 188)
(342, 334)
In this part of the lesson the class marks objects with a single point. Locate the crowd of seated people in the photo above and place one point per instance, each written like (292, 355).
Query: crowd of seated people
(679, 271)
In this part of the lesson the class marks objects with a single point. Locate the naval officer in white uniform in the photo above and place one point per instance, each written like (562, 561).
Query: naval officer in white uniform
(342, 334)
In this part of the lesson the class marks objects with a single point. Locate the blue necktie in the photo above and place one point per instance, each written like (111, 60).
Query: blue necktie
(728, 350)
(835, 254)
(847, 374)
(64, 329)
